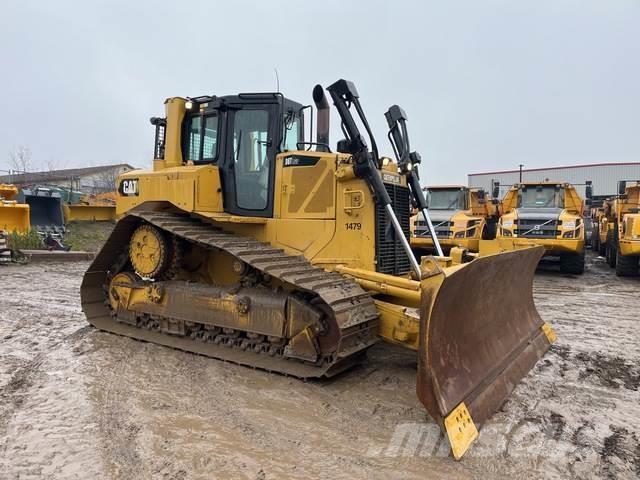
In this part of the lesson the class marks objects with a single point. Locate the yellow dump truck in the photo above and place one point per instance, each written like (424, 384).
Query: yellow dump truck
(602, 222)
(623, 240)
(461, 217)
(550, 214)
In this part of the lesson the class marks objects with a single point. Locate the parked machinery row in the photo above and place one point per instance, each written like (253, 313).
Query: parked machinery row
(616, 229)
(545, 213)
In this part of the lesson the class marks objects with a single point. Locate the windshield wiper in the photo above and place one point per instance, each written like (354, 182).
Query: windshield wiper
(238, 149)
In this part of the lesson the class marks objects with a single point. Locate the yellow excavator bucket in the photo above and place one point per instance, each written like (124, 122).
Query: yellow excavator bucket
(14, 217)
(480, 334)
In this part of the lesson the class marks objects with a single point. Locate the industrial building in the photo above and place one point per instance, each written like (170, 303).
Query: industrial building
(604, 177)
(93, 180)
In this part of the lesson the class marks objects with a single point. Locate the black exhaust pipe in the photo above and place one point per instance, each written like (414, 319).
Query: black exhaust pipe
(322, 130)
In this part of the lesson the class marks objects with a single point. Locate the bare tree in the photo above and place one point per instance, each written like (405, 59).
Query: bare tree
(20, 159)
(105, 181)
(52, 164)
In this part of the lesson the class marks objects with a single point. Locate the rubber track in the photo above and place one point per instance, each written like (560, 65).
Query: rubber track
(353, 308)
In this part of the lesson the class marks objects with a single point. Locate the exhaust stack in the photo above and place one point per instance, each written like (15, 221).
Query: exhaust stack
(322, 130)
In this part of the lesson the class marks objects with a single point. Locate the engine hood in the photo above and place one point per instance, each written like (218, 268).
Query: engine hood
(538, 213)
(439, 215)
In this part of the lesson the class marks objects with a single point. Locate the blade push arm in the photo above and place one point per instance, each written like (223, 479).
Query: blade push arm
(366, 163)
(408, 163)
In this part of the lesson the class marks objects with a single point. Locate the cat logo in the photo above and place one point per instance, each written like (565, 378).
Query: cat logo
(129, 187)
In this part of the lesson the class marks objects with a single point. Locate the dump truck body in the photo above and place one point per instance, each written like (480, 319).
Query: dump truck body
(549, 214)
(461, 217)
(248, 249)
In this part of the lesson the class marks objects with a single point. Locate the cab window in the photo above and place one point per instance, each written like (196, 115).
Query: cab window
(202, 135)
(541, 197)
(292, 132)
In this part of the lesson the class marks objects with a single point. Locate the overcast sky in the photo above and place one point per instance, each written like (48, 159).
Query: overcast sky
(486, 84)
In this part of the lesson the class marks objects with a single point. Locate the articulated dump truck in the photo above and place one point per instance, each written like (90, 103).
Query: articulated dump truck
(548, 214)
(461, 216)
(602, 223)
(623, 235)
(250, 244)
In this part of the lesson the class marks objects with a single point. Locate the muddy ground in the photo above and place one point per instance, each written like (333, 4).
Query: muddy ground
(79, 403)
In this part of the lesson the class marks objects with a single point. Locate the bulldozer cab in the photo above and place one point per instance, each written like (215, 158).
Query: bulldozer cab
(242, 134)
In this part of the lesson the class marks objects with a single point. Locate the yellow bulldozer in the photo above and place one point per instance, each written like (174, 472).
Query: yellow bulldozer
(461, 216)
(249, 244)
(548, 214)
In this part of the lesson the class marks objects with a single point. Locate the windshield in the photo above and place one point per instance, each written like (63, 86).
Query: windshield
(541, 197)
(445, 199)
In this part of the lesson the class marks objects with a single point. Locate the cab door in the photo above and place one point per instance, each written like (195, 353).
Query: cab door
(248, 173)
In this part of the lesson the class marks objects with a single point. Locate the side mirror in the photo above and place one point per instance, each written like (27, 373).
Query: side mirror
(622, 186)
(344, 146)
(496, 190)
(588, 191)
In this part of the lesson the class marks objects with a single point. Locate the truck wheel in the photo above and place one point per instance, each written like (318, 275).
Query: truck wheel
(611, 249)
(626, 266)
(572, 263)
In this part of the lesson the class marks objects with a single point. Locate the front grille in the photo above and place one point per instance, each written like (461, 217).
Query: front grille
(537, 228)
(390, 256)
(443, 229)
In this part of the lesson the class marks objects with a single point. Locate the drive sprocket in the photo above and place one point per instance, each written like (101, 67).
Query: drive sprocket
(150, 251)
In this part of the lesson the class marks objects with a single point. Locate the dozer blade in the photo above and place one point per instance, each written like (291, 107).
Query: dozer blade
(480, 334)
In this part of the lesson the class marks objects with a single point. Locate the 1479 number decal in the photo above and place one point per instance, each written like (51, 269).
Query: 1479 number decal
(353, 226)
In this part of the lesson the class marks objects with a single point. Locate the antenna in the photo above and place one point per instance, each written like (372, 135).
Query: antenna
(277, 80)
